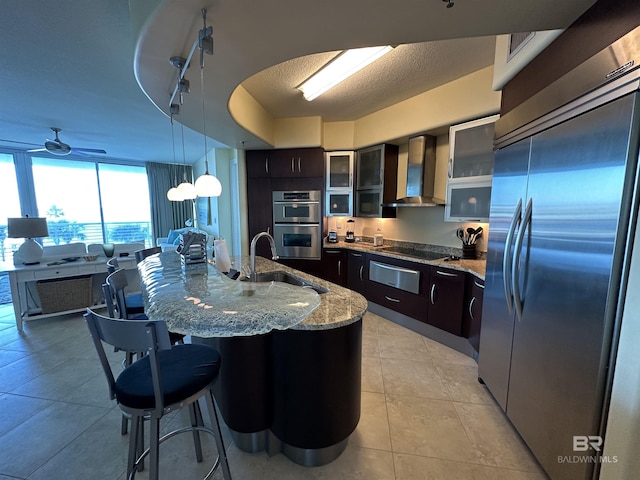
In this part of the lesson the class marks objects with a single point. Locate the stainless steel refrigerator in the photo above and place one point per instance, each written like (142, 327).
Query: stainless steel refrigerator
(563, 205)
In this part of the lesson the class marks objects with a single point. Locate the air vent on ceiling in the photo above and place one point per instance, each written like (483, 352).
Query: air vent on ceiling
(517, 41)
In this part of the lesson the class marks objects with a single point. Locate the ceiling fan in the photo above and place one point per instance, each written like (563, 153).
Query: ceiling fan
(58, 147)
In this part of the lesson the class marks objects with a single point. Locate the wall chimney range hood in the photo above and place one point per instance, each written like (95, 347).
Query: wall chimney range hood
(421, 173)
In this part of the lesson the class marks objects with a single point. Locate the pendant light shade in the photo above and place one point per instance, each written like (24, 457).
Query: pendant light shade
(186, 190)
(173, 195)
(208, 186)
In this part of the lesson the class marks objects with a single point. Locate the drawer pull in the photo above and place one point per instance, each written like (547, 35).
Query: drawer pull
(446, 274)
(478, 284)
(392, 299)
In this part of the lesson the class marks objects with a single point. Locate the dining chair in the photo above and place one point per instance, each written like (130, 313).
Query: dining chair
(142, 254)
(162, 381)
(133, 301)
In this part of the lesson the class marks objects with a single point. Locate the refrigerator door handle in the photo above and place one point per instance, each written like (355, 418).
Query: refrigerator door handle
(515, 271)
(507, 257)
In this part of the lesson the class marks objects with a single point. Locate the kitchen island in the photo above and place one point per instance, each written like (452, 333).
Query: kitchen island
(291, 357)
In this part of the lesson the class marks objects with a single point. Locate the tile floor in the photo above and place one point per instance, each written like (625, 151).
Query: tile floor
(424, 415)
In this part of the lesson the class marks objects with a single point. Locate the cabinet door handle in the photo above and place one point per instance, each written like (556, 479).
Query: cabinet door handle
(299, 167)
(266, 165)
(361, 269)
(293, 168)
(432, 294)
(356, 254)
(339, 265)
(446, 274)
(392, 299)
(450, 168)
(471, 308)
(269, 230)
(332, 251)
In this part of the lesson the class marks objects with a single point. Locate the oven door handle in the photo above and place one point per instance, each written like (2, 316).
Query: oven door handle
(293, 203)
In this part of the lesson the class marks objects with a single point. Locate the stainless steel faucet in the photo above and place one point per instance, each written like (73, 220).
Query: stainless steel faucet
(253, 276)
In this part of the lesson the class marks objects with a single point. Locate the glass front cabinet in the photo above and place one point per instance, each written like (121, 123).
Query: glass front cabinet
(339, 184)
(376, 181)
(470, 171)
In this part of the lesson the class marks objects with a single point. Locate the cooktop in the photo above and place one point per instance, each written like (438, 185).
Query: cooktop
(410, 252)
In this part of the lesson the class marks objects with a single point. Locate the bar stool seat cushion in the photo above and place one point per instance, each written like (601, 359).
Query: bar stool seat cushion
(184, 369)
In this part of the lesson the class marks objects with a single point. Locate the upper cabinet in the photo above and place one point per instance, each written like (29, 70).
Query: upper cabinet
(298, 162)
(339, 183)
(285, 163)
(376, 180)
(339, 170)
(470, 170)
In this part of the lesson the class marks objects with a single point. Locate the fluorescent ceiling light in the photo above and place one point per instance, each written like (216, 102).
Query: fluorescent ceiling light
(339, 69)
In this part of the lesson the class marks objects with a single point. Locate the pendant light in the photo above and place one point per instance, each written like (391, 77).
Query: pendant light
(173, 194)
(206, 185)
(186, 189)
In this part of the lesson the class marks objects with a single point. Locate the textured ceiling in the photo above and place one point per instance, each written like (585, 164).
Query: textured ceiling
(403, 73)
(78, 65)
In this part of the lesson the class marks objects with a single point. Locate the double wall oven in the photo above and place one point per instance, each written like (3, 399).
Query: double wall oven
(297, 217)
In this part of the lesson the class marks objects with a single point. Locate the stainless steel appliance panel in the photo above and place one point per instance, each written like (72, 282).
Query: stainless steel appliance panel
(563, 285)
(397, 277)
(297, 206)
(509, 189)
(297, 240)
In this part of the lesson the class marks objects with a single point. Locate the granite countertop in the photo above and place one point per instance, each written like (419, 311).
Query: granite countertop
(201, 301)
(475, 267)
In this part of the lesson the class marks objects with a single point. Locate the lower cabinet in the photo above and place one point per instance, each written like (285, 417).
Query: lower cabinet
(446, 299)
(357, 272)
(473, 311)
(334, 266)
(391, 290)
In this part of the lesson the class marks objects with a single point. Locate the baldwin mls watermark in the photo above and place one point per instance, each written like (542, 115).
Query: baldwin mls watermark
(587, 443)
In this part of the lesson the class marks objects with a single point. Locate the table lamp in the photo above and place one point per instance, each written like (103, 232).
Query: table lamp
(30, 252)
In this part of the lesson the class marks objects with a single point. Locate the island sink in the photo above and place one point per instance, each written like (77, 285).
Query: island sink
(286, 277)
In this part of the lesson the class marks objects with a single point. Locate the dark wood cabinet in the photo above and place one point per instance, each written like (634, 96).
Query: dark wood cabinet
(446, 299)
(258, 163)
(285, 163)
(297, 162)
(402, 301)
(260, 212)
(334, 266)
(472, 319)
(357, 272)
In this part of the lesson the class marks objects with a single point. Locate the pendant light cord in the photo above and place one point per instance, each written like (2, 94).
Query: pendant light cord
(204, 117)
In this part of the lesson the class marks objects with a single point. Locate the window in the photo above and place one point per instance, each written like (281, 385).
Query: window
(126, 210)
(84, 200)
(67, 194)
(9, 206)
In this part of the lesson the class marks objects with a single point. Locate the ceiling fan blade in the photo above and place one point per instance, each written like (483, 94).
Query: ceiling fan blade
(37, 150)
(87, 150)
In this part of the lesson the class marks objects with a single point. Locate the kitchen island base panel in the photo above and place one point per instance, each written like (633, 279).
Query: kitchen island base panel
(253, 442)
(317, 385)
(314, 457)
(243, 387)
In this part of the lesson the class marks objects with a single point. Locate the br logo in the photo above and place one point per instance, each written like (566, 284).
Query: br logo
(582, 443)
